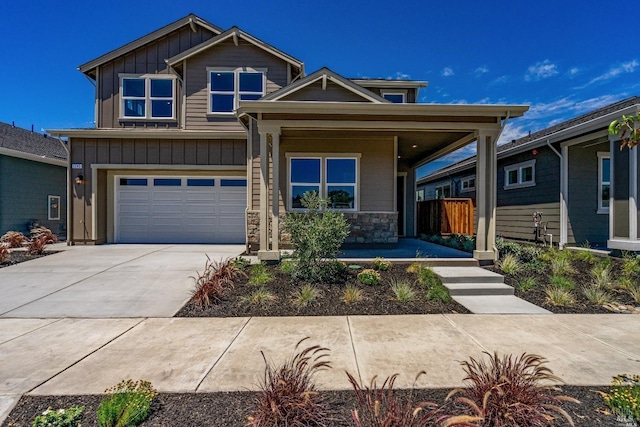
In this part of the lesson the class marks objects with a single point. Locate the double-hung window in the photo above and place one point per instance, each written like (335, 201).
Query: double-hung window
(443, 191)
(333, 178)
(228, 87)
(604, 181)
(520, 175)
(147, 97)
(468, 184)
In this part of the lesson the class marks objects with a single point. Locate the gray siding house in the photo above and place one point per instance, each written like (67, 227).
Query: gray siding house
(33, 181)
(209, 135)
(563, 171)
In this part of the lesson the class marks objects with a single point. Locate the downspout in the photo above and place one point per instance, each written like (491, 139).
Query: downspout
(562, 241)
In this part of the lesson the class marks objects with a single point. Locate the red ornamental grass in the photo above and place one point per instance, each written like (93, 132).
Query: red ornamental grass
(216, 278)
(14, 239)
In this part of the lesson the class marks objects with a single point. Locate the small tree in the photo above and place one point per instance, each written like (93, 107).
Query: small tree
(317, 235)
(626, 129)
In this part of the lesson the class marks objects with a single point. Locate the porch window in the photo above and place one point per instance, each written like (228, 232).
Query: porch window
(333, 178)
(145, 97)
(228, 87)
(520, 175)
(468, 184)
(604, 181)
(443, 191)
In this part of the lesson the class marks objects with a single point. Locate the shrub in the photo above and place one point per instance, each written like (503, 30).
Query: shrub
(634, 291)
(216, 278)
(601, 275)
(559, 297)
(529, 253)
(60, 418)
(288, 266)
(305, 295)
(509, 391)
(597, 295)
(288, 395)
(427, 278)
(4, 252)
(369, 277)
(585, 255)
(316, 235)
(630, 264)
(402, 290)
(45, 234)
(507, 247)
(624, 397)
(439, 293)
(352, 294)
(510, 264)
(562, 282)
(14, 239)
(241, 262)
(261, 296)
(414, 267)
(258, 275)
(527, 284)
(126, 404)
(37, 245)
(380, 264)
(561, 265)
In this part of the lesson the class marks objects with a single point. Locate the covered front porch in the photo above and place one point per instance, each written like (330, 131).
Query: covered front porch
(370, 153)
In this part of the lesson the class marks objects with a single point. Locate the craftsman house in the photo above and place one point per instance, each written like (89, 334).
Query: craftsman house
(33, 181)
(211, 136)
(565, 172)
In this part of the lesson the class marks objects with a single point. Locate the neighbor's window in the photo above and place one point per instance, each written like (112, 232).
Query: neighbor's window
(520, 175)
(147, 97)
(54, 208)
(419, 195)
(468, 184)
(333, 178)
(395, 97)
(604, 181)
(228, 87)
(443, 191)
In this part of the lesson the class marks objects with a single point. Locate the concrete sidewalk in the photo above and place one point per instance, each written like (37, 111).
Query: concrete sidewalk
(82, 356)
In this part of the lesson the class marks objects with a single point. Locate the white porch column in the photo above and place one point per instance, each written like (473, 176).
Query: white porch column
(486, 196)
(633, 194)
(564, 196)
(264, 192)
(275, 202)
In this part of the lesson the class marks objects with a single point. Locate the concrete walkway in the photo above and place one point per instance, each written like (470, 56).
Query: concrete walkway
(81, 356)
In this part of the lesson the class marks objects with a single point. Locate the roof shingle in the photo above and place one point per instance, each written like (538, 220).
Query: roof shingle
(25, 141)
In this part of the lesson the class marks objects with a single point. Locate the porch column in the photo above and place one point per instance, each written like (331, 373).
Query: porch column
(275, 185)
(486, 197)
(264, 193)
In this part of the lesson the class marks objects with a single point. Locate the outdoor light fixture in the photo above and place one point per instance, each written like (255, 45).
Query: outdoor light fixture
(535, 152)
(79, 179)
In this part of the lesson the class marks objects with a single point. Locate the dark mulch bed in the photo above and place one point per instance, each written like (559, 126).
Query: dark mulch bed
(378, 299)
(16, 257)
(232, 409)
(581, 278)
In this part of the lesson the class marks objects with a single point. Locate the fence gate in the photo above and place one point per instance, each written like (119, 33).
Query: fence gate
(446, 216)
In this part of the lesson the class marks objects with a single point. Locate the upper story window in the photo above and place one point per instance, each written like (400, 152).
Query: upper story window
(395, 97)
(604, 181)
(228, 87)
(147, 97)
(468, 184)
(520, 175)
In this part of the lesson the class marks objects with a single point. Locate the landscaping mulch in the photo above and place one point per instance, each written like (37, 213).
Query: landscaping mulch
(377, 299)
(18, 256)
(232, 409)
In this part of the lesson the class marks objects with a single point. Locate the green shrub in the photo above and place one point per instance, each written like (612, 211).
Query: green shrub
(402, 290)
(316, 235)
(562, 282)
(529, 253)
(259, 275)
(634, 292)
(439, 293)
(369, 276)
(624, 397)
(561, 265)
(288, 266)
(380, 264)
(630, 264)
(507, 247)
(352, 294)
(241, 262)
(126, 404)
(597, 295)
(559, 296)
(60, 418)
(527, 283)
(427, 278)
(305, 295)
(601, 276)
(510, 264)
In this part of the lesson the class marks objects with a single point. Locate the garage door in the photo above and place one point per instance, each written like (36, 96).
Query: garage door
(180, 209)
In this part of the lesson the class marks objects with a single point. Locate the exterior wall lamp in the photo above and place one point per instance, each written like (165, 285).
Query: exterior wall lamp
(79, 179)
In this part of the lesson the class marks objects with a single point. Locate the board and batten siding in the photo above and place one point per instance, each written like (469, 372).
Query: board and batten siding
(148, 59)
(226, 55)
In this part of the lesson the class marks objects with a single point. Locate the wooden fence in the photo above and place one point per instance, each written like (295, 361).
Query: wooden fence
(446, 216)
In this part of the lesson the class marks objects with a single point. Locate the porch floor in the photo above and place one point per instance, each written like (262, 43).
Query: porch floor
(406, 248)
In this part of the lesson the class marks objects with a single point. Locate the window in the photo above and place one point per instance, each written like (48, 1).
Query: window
(333, 178)
(419, 195)
(395, 97)
(147, 97)
(443, 191)
(468, 184)
(520, 175)
(54, 208)
(604, 181)
(228, 87)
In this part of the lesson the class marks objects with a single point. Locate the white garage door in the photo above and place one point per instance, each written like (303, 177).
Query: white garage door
(180, 209)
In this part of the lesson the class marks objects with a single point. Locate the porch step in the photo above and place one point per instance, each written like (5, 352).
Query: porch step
(479, 289)
(449, 262)
(467, 275)
(498, 304)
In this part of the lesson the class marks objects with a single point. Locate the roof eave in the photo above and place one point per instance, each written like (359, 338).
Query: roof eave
(33, 157)
(149, 133)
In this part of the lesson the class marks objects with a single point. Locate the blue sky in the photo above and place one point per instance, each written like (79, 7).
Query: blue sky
(563, 58)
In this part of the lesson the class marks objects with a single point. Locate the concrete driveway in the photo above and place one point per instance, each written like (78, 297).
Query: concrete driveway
(107, 281)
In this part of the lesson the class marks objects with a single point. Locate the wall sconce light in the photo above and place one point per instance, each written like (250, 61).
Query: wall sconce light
(79, 179)
(535, 152)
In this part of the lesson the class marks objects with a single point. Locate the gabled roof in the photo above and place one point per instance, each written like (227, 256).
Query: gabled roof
(235, 33)
(390, 83)
(541, 137)
(190, 19)
(324, 74)
(21, 143)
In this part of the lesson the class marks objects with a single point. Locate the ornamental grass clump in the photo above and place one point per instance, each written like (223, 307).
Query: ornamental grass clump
(512, 391)
(261, 297)
(4, 252)
(352, 294)
(597, 295)
(288, 394)
(510, 264)
(527, 283)
(439, 294)
(427, 278)
(369, 277)
(215, 280)
(624, 398)
(59, 418)
(259, 275)
(402, 290)
(305, 295)
(126, 404)
(14, 239)
(559, 297)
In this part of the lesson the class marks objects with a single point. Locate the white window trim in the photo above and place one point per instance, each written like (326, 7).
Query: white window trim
(395, 92)
(442, 187)
(147, 98)
(519, 167)
(49, 199)
(467, 179)
(602, 209)
(236, 87)
(323, 185)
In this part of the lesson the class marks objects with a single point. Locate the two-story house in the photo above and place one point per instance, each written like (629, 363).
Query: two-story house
(211, 136)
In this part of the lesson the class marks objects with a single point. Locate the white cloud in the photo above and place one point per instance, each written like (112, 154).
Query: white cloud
(574, 72)
(511, 131)
(447, 72)
(399, 76)
(481, 70)
(625, 67)
(541, 70)
(499, 80)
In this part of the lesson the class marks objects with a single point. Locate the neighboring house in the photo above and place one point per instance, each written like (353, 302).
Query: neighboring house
(565, 172)
(211, 136)
(33, 181)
